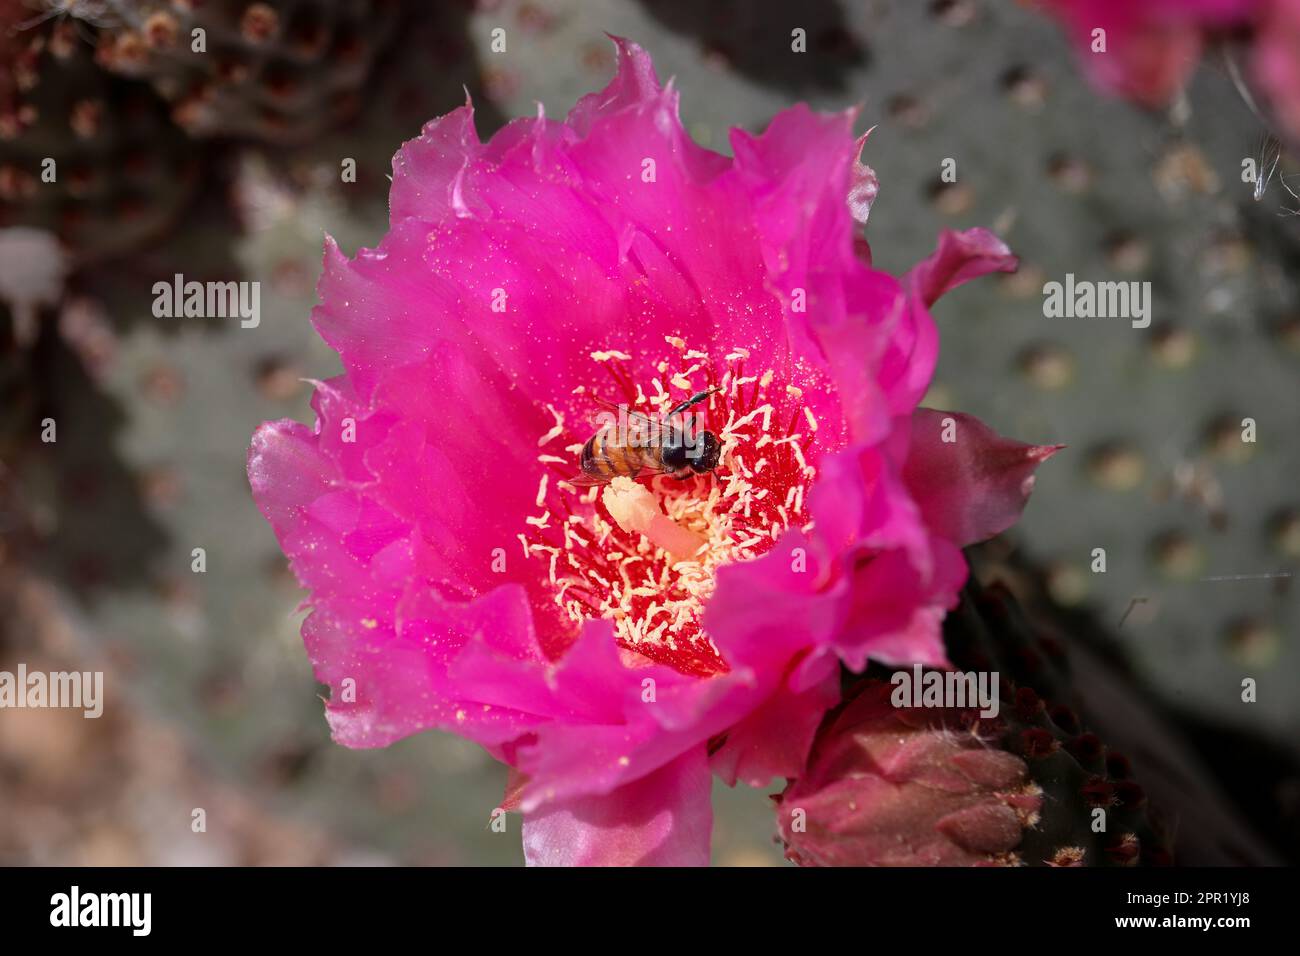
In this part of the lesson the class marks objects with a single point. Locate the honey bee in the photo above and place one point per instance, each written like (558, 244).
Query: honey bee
(648, 446)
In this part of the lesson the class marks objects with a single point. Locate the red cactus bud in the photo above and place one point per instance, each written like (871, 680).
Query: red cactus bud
(888, 786)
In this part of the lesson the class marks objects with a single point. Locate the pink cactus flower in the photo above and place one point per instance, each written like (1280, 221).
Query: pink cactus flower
(1150, 46)
(1276, 63)
(615, 645)
(1148, 49)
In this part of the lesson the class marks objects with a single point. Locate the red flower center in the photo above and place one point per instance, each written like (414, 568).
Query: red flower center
(601, 559)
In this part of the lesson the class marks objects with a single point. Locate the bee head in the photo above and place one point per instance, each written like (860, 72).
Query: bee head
(710, 451)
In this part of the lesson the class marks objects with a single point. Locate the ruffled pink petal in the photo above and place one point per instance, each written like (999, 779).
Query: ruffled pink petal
(875, 582)
(960, 257)
(898, 577)
(687, 229)
(662, 819)
(975, 486)
(380, 635)
(428, 172)
(802, 176)
(860, 504)
(773, 740)
(896, 608)
(907, 366)
(633, 717)
(548, 218)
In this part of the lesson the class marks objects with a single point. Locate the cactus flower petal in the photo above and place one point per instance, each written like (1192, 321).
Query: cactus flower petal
(969, 482)
(662, 819)
(1276, 62)
(1150, 48)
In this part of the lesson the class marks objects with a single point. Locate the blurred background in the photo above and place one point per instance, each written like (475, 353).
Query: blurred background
(234, 174)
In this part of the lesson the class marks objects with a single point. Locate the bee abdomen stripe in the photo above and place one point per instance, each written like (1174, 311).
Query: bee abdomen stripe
(620, 459)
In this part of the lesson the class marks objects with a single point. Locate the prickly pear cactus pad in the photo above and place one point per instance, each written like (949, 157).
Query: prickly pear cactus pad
(311, 167)
(282, 71)
(88, 157)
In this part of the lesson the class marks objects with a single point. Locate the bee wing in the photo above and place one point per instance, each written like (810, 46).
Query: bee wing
(652, 425)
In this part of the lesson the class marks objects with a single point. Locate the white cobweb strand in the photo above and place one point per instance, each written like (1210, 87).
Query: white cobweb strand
(33, 267)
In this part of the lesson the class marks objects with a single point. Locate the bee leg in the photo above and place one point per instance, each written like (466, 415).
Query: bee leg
(693, 400)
